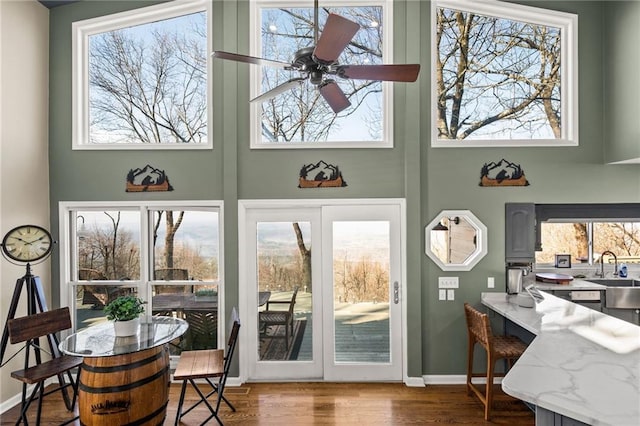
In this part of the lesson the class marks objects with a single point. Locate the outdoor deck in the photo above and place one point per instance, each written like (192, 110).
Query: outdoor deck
(361, 329)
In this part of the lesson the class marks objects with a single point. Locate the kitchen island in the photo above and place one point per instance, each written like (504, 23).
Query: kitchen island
(582, 367)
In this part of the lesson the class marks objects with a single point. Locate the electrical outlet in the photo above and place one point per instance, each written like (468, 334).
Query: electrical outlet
(491, 282)
(448, 282)
(450, 294)
(442, 294)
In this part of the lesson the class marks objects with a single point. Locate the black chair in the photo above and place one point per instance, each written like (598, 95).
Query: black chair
(270, 317)
(29, 329)
(213, 366)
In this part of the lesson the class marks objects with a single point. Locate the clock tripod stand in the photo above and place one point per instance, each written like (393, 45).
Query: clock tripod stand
(36, 302)
(27, 243)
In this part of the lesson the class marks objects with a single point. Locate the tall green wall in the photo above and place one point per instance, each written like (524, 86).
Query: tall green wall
(430, 179)
(622, 86)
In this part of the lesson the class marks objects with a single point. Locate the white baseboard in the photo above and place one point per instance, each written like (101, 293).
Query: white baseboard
(12, 402)
(234, 381)
(414, 382)
(17, 398)
(455, 380)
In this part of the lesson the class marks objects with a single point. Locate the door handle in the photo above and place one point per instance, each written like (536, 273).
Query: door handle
(396, 292)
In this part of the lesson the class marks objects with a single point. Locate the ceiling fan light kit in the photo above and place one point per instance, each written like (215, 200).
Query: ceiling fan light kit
(320, 60)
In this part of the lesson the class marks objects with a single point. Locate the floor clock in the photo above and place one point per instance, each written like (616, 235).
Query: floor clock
(27, 245)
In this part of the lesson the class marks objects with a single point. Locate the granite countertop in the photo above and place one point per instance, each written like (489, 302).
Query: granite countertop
(582, 364)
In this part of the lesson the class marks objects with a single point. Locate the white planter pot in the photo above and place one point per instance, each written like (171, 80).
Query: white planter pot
(126, 328)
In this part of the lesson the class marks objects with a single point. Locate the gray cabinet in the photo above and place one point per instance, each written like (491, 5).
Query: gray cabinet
(520, 232)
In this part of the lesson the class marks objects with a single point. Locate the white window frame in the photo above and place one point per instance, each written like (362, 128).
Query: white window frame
(591, 237)
(255, 49)
(81, 30)
(568, 24)
(481, 240)
(68, 236)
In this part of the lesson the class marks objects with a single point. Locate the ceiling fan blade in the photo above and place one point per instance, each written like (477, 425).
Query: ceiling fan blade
(278, 89)
(335, 97)
(404, 72)
(336, 35)
(248, 59)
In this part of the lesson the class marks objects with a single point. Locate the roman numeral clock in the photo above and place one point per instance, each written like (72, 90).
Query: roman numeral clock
(27, 244)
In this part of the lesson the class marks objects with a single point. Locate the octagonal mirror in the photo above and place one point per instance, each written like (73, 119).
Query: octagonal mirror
(456, 240)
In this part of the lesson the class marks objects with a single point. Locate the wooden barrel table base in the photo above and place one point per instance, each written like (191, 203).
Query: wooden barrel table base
(121, 390)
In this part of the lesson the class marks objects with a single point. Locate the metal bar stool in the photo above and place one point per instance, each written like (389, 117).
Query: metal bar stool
(497, 347)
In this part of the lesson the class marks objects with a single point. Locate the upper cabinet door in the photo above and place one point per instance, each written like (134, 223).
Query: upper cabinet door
(520, 233)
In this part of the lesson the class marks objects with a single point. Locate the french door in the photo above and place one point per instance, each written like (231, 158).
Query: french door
(320, 290)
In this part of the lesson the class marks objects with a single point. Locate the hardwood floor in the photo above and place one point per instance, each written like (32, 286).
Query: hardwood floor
(333, 404)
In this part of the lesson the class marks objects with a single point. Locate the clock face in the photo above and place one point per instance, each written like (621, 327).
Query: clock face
(27, 243)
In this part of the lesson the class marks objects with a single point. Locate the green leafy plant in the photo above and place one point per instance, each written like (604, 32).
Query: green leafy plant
(124, 308)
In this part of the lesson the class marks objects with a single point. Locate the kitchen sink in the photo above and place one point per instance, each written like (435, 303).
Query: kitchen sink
(620, 293)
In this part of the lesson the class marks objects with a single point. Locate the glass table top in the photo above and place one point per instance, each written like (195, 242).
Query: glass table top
(100, 340)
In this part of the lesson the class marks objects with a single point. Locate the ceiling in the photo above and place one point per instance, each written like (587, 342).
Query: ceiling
(53, 3)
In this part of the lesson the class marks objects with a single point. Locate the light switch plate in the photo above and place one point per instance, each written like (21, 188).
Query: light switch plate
(491, 282)
(450, 294)
(442, 294)
(448, 282)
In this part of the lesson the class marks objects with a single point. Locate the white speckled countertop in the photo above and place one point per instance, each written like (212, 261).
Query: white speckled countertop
(583, 364)
(576, 284)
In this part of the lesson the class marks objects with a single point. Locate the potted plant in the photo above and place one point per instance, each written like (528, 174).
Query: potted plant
(125, 313)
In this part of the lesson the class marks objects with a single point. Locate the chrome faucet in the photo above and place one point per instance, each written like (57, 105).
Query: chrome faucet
(615, 261)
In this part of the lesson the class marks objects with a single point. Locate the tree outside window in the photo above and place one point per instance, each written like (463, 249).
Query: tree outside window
(499, 78)
(144, 80)
(300, 116)
(586, 241)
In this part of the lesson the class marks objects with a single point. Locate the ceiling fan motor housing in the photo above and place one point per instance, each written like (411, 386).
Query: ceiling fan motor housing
(303, 59)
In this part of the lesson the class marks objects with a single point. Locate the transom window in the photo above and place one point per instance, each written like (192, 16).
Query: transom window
(503, 74)
(141, 78)
(168, 254)
(299, 118)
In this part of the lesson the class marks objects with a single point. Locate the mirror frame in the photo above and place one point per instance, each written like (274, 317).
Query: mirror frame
(481, 241)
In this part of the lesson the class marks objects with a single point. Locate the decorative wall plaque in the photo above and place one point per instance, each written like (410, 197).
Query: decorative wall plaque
(320, 175)
(502, 173)
(147, 179)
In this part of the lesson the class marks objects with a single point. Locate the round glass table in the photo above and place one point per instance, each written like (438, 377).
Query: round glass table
(124, 380)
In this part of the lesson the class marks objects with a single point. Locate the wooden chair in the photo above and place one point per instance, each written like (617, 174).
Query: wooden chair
(209, 365)
(270, 317)
(29, 329)
(497, 347)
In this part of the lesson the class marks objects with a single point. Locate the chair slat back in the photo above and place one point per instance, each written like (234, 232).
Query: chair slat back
(478, 325)
(38, 325)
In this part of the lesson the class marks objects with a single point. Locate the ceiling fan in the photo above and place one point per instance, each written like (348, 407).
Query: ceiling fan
(318, 63)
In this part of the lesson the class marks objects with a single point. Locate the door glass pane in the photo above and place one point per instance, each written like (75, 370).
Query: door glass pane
(284, 291)
(361, 253)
